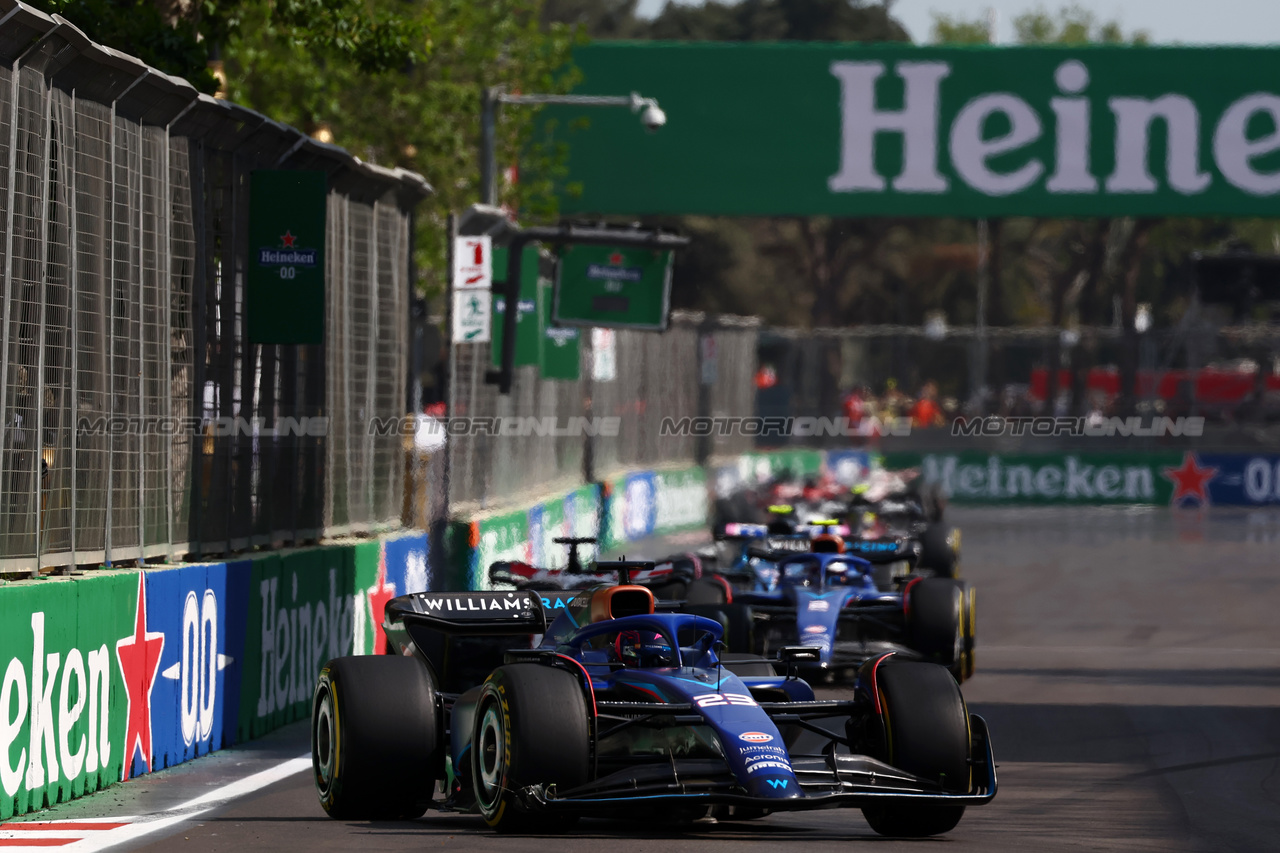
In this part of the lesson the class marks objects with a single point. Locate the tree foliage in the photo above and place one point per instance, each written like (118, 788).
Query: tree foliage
(181, 37)
(426, 116)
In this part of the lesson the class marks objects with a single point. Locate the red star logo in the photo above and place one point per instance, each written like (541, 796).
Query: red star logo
(1190, 480)
(288, 240)
(378, 598)
(139, 657)
(616, 259)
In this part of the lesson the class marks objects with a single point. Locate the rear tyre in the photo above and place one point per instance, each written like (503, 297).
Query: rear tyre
(375, 742)
(970, 632)
(673, 591)
(737, 621)
(936, 553)
(530, 729)
(926, 732)
(935, 621)
(707, 591)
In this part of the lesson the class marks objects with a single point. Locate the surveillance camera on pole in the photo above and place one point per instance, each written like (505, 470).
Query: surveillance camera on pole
(651, 115)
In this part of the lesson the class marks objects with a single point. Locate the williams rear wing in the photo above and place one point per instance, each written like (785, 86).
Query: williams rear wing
(471, 613)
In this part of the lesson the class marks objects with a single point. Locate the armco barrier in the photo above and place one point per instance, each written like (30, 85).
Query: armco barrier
(114, 673)
(1177, 478)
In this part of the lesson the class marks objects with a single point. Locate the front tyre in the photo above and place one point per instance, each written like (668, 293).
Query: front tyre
(375, 742)
(926, 733)
(530, 729)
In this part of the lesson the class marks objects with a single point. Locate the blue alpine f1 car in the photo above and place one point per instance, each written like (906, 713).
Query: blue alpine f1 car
(611, 709)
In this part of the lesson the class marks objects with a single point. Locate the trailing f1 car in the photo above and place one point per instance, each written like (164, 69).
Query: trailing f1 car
(892, 506)
(678, 577)
(613, 709)
(847, 607)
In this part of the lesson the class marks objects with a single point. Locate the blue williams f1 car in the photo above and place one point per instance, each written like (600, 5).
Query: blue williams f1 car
(614, 710)
(837, 597)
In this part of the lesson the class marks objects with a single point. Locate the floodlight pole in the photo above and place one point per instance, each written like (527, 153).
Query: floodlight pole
(648, 108)
(558, 236)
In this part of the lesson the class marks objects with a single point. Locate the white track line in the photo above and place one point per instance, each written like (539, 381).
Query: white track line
(139, 826)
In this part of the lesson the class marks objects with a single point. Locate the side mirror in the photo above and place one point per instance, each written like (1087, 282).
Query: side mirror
(800, 654)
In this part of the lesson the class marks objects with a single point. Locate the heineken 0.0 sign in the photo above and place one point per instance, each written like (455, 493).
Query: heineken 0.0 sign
(559, 351)
(613, 287)
(285, 285)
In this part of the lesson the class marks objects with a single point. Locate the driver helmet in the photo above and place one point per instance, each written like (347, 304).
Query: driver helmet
(643, 649)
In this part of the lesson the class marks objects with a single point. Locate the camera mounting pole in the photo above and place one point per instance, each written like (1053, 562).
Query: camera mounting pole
(651, 116)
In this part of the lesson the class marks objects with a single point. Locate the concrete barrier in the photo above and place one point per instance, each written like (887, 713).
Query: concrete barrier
(115, 673)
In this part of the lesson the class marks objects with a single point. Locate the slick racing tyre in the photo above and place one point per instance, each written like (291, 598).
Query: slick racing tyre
(712, 590)
(530, 729)
(936, 553)
(970, 633)
(737, 621)
(672, 591)
(926, 733)
(375, 741)
(935, 616)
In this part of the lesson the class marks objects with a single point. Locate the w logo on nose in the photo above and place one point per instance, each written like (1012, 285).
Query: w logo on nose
(777, 783)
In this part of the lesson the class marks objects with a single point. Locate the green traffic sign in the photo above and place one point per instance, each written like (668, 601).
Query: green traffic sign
(527, 316)
(558, 356)
(284, 293)
(613, 286)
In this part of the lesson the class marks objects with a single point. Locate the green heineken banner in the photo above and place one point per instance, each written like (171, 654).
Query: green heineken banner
(285, 285)
(527, 345)
(616, 287)
(1055, 478)
(854, 130)
(559, 350)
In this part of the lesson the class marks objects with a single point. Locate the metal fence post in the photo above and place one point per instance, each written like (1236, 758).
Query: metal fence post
(199, 358)
(371, 354)
(38, 435)
(166, 348)
(73, 301)
(5, 519)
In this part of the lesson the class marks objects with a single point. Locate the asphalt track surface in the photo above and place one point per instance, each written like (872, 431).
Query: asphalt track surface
(1129, 668)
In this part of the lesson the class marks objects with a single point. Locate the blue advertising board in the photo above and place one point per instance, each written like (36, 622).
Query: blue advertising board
(201, 612)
